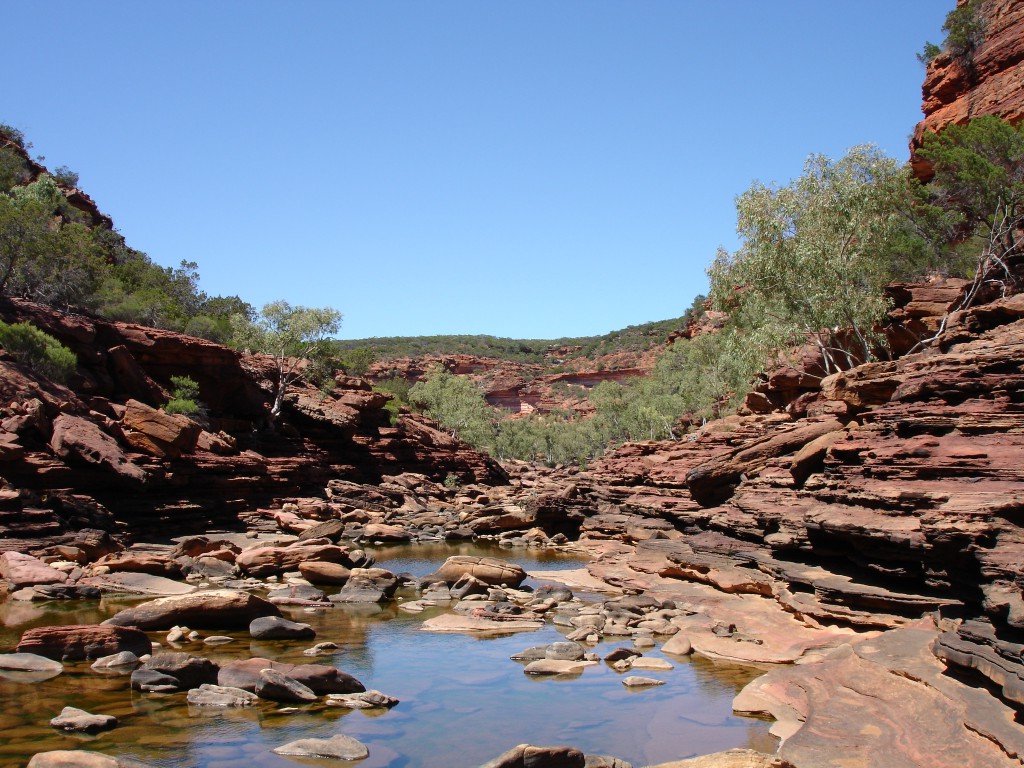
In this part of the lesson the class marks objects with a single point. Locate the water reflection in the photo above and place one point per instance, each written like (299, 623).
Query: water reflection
(463, 701)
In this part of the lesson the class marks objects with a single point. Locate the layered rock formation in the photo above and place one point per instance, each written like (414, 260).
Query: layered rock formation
(99, 453)
(988, 81)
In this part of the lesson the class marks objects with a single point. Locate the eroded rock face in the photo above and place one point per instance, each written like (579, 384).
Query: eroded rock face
(486, 569)
(988, 82)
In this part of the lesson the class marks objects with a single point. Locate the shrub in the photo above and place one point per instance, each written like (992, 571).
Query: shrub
(38, 351)
(183, 399)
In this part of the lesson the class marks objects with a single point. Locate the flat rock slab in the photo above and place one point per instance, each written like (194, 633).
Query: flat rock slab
(138, 584)
(641, 682)
(884, 703)
(81, 758)
(366, 700)
(453, 622)
(29, 662)
(339, 747)
(528, 755)
(556, 667)
(731, 758)
(577, 578)
(651, 663)
(207, 695)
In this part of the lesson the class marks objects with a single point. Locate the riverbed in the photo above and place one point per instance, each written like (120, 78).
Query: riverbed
(463, 701)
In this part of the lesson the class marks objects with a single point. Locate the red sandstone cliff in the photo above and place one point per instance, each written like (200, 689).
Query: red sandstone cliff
(990, 82)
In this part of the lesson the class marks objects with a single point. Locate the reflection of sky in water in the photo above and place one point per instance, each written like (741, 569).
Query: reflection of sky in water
(463, 701)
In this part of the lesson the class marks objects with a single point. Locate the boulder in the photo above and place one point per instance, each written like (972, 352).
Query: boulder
(190, 671)
(322, 680)
(529, 756)
(261, 562)
(487, 569)
(152, 563)
(23, 570)
(641, 682)
(367, 585)
(151, 681)
(278, 628)
(80, 721)
(117, 662)
(272, 685)
(211, 609)
(80, 439)
(157, 432)
(75, 642)
(325, 574)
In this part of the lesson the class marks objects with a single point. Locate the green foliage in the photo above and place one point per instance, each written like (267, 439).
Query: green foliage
(457, 404)
(977, 193)
(38, 351)
(816, 255)
(451, 481)
(12, 134)
(551, 352)
(357, 360)
(184, 396)
(965, 32)
(65, 177)
(14, 169)
(182, 406)
(294, 336)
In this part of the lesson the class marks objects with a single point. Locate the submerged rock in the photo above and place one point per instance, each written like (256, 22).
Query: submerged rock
(338, 747)
(207, 695)
(321, 679)
(366, 700)
(278, 628)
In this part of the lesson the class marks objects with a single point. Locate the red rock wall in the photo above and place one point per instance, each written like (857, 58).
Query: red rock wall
(992, 83)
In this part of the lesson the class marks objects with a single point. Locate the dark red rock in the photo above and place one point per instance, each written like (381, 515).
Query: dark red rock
(83, 641)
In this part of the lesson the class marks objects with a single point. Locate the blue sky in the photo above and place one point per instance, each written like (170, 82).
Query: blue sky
(529, 169)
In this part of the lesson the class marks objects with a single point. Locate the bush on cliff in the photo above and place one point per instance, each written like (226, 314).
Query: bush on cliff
(38, 351)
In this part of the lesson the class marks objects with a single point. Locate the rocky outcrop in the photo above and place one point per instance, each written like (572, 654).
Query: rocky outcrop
(988, 81)
(129, 462)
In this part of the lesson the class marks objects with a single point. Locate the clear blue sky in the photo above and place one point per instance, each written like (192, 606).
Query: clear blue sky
(536, 168)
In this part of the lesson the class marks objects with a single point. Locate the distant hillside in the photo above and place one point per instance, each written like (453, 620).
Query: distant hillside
(550, 352)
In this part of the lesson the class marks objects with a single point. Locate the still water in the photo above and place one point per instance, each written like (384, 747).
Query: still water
(463, 701)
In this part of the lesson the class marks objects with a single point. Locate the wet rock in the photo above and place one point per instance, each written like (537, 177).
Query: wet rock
(278, 628)
(487, 569)
(261, 562)
(529, 756)
(650, 663)
(216, 609)
(124, 661)
(218, 640)
(83, 641)
(321, 679)
(468, 585)
(531, 654)
(555, 667)
(297, 594)
(320, 648)
(634, 681)
(151, 681)
(278, 687)
(207, 695)
(78, 720)
(68, 592)
(367, 585)
(190, 671)
(451, 622)
(366, 700)
(338, 747)
(621, 654)
(138, 583)
(566, 651)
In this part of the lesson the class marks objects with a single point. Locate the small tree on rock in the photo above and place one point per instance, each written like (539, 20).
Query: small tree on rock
(293, 336)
